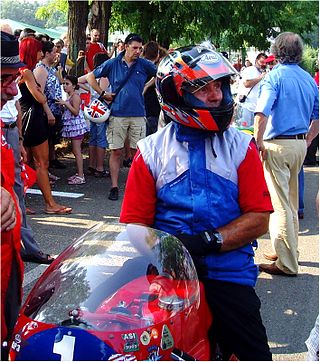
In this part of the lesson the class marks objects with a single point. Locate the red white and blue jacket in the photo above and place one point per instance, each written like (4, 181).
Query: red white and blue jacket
(187, 181)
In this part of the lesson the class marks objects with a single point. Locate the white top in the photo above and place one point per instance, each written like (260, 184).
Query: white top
(9, 112)
(251, 73)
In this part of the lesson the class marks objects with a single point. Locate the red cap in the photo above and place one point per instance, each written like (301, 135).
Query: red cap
(271, 58)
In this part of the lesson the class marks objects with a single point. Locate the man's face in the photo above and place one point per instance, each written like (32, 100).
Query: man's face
(95, 35)
(211, 94)
(260, 63)
(8, 84)
(133, 50)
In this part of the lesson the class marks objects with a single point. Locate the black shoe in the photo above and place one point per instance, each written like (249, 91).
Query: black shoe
(57, 164)
(114, 194)
(40, 258)
(127, 163)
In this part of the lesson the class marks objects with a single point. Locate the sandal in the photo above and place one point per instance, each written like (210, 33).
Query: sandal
(77, 180)
(63, 210)
(104, 173)
(53, 177)
(72, 177)
(30, 211)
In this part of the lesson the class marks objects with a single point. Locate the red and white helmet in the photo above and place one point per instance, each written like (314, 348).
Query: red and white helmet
(97, 111)
(184, 71)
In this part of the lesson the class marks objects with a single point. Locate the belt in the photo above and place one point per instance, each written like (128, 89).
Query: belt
(301, 136)
(10, 125)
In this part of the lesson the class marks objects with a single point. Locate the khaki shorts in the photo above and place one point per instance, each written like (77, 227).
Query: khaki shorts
(121, 127)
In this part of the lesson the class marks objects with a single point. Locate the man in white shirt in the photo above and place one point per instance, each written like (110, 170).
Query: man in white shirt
(251, 77)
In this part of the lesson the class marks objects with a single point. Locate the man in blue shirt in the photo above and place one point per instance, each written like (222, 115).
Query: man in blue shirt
(288, 100)
(127, 111)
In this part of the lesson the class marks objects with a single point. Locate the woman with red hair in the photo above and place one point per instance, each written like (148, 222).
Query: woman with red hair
(35, 126)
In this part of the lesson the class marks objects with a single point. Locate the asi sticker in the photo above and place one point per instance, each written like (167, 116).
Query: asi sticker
(166, 338)
(131, 342)
(209, 58)
(145, 338)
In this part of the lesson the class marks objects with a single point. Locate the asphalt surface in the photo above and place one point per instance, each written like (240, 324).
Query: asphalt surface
(289, 305)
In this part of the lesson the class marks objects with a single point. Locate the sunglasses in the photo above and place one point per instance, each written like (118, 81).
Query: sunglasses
(7, 79)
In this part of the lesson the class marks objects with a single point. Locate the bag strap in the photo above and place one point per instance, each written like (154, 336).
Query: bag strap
(250, 90)
(123, 82)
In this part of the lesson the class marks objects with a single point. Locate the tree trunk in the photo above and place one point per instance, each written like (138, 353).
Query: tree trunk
(77, 23)
(100, 18)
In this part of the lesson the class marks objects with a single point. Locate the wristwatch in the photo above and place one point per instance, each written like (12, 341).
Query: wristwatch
(214, 239)
(101, 95)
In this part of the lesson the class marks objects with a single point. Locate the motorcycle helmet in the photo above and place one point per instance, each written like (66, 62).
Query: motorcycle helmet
(183, 72)
(97, 111)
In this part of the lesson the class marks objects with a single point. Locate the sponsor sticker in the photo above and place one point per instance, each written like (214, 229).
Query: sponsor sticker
(166, 338)
(154, 333)
(209, 58)
(145, 338)
(131, 342)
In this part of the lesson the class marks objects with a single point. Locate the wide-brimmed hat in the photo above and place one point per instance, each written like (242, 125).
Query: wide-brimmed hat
(10, 51)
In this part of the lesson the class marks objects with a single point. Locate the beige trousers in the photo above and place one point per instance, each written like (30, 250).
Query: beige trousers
(282, 165)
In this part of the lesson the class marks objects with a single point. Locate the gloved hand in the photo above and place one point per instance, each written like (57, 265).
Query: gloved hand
(200, 244)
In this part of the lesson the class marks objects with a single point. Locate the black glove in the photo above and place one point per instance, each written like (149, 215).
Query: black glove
(206, 242)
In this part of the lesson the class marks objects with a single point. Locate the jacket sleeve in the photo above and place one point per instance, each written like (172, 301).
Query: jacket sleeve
(139, 202)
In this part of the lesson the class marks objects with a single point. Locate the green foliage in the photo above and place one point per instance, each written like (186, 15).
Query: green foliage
(19, 10)
(310, 59)
(229, 24)
(55, 13)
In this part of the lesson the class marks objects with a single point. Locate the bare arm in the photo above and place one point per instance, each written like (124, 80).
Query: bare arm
(313, 131)
(148, 85)
(73, 105)
(250, 83)
(91, 79)
(244, 230)
(260, 124)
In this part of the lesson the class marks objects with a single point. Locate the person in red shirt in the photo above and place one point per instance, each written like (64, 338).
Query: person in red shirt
(93, 48)
(11, 262)
(238, 64)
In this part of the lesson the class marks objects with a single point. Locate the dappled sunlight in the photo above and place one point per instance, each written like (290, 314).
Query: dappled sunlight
(67, 221)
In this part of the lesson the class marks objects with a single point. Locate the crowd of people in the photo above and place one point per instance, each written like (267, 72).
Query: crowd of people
(181, 171)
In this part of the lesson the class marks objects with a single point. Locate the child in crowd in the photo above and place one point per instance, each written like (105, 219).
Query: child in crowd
(74, 125)
(98, 140)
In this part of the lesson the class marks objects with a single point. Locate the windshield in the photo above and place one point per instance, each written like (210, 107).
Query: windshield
(116, 277)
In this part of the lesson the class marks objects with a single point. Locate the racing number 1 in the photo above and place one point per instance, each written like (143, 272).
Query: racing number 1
(65, 348)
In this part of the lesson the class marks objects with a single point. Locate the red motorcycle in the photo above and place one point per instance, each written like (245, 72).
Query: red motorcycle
(117, 293)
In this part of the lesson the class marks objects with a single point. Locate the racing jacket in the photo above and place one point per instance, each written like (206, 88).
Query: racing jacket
(186, 181)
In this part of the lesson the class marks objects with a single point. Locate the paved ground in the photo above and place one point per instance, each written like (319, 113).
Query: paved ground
(289, 305)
